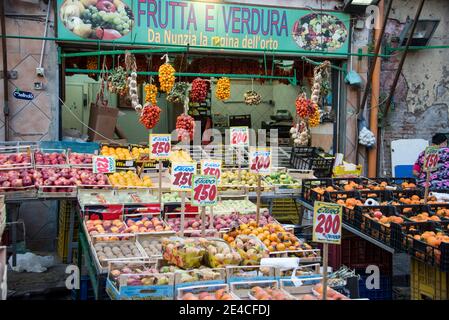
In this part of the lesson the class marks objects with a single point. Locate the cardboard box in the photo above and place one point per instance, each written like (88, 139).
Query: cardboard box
(103, 120)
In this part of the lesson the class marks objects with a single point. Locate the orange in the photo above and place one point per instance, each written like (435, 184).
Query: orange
(280, 247)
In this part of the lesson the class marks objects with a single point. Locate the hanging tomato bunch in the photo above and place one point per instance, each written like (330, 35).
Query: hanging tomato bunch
(314, 119)
(92, 64)
(304, 106)
(223, 90)
(150, 116)
(185, 125)
(199, 90)
(166, 77)
(150, 93)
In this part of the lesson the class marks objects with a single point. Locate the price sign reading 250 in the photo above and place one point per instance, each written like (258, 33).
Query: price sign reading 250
(181, 177)
(204, 191)
(103, 164)
(160, 146)
(327, 222)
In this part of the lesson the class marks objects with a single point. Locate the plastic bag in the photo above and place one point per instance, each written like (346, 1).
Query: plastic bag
(366, 137)
(29, 262)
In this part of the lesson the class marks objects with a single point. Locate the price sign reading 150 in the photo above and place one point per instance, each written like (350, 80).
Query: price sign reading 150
(204, 190)
(181, 177)
(160, 146)
(431, 158)
(211, 168)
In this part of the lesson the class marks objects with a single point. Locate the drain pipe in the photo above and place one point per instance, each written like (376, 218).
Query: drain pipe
(45, 36)
(5, 71)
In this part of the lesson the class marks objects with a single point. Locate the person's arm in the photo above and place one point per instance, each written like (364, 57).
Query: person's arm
(418, 165)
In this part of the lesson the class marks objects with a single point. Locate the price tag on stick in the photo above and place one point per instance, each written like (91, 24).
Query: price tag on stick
(160, 146)
(211, 168)
(327, 220)
(239, 136)
(181, 176)
(103, 164)
(431, 159)
(260, 160)
(204, 190)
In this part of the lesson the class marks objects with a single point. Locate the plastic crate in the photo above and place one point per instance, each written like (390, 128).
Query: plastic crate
(358, 253)
(383, 292)
(65, 208)
(309, 195)
(285, 210)
(404, 241)
(371, 227)
(427, 282)
(377, 195)
(321, 165)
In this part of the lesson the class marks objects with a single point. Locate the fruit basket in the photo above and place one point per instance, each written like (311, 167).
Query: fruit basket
(152, 245)
(250, 248)
(147, 223)
(314, 189)
(264, 218)
(185, 253)
(122, 248)
(122, 154)
(201, 276)
(44, 192)
(129, 197)
(192, 222)
(441, 210)
(128, 179)
(51, 158)
(426, 241)
(209, 292)
(419, 213)
(231, 182)
(302, 271)
(89, 197)
(302, 290)
(100, 227)
(375, 221)
(20, 157)
(138, 281)
(80, 160)
(260, 290)
(288, 181)
(153, 175)
(250, 273)
(220, 254)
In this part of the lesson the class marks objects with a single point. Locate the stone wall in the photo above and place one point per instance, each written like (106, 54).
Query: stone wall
(421, 98)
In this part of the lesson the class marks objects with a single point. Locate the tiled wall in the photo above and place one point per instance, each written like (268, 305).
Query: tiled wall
(37, 119)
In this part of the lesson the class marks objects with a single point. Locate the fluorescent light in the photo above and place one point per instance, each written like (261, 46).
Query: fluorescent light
(362, 2)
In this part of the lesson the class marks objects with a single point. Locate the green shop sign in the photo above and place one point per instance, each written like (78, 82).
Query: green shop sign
(202, 24)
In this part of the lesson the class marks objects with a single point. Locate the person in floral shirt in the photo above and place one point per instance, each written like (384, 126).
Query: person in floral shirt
(439, 179)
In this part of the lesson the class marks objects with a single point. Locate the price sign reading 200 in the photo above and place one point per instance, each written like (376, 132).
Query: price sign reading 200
(327, 222)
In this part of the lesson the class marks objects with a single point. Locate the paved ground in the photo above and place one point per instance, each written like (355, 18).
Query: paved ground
(46, 285)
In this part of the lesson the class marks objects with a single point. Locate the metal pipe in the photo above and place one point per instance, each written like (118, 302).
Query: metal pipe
(5, 72)
(215, 49)
(117, 52)
(401, 63)
(45, 34)
(376, 60)
(375, 93)
(414, 48)
(190, 74)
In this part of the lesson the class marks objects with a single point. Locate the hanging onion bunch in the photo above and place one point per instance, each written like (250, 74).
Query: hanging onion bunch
(252, 98)
(304, 106)
(117, 81)
(166, 77)
(178, 93)
(132, 83)
(185, 125)
(199, 90)
(150, 116)
(150, 93)
(300, 134)
(223, 90)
